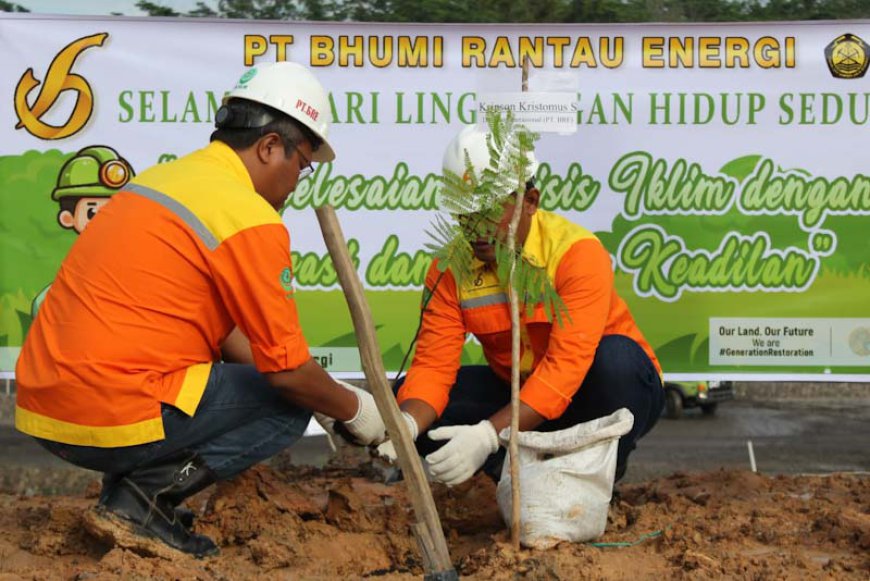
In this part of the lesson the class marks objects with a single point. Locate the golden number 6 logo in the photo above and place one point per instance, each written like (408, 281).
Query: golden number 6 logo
(57, 80)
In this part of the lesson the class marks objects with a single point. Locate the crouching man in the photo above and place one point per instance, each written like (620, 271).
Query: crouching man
(592, 364)
(168, 353)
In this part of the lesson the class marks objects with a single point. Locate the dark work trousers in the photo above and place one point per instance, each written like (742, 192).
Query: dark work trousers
(240, 420)
(621, 375)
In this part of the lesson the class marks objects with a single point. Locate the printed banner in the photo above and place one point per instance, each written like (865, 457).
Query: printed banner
(724, 167)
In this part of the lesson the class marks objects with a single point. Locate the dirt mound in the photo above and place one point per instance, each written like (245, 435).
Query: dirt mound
(333, 523)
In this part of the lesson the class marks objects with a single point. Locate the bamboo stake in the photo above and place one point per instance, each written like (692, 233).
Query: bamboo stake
(436, 557)
(513, 443)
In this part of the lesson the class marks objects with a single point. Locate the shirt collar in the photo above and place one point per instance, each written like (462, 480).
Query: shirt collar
(227, 157)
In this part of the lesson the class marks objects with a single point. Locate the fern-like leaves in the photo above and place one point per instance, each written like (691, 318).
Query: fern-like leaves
(476, 202)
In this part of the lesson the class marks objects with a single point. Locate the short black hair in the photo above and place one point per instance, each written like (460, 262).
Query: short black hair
(68, 203)
(291, 132)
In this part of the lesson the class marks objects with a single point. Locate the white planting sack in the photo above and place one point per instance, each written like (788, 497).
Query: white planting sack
(566, 480)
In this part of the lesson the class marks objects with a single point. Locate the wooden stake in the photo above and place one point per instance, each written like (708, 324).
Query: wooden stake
(436, 557)
(513, 443)
(525, 74)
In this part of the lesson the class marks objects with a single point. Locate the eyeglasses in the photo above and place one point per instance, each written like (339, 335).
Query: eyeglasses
(306, 167)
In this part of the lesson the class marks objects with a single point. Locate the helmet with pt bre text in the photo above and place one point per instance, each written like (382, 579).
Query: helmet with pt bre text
(293, 90)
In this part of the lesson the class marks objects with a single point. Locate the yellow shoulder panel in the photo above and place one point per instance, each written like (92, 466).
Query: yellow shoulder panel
(550, 237)
(209, 188)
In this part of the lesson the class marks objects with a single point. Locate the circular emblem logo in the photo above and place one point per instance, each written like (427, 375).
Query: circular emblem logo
(848, 57)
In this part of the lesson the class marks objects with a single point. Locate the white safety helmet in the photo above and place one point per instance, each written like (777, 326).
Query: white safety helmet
(472, 139)
(292, 89)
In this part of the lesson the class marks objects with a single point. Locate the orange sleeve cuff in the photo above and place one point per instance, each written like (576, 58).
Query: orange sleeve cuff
(544, 398)
(421, 387)
(280, 358)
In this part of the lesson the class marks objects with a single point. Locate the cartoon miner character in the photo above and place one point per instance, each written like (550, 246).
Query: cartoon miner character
(85, 183)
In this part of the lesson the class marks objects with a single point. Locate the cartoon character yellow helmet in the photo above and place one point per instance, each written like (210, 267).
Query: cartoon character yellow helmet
(94, 172)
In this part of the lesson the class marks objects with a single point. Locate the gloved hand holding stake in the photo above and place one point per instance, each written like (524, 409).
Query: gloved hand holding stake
(464, 454)
(366, 428)
(387, 450)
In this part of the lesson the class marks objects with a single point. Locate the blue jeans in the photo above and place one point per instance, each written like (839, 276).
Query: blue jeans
(241, 420)
(621, 375)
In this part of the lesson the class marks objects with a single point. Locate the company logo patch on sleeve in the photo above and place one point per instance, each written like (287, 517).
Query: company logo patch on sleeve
(286, 279)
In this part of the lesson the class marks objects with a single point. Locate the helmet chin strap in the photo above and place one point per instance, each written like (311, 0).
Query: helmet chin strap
(229, 117)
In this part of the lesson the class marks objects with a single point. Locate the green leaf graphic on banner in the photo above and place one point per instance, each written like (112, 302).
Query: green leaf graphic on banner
(472, 354)
(346, 340)
(25, 321)
(740, 168)
(393, 357)
(701, 355)
(676, 351)
(12, 324)
(32, 244)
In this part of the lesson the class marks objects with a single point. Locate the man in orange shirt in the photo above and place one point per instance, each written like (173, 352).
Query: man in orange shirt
(594, 363)
(168, 352)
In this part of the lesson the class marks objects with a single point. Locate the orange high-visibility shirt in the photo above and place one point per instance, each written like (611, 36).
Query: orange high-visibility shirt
(146, 296)
(555, 358)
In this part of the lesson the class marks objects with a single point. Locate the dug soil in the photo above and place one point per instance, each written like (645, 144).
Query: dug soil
(291, 522)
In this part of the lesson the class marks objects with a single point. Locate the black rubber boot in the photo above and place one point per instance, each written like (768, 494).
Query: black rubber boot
(185, 515)
(147, 497)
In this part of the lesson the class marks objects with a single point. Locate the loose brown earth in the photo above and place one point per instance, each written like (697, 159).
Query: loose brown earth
(340, 523)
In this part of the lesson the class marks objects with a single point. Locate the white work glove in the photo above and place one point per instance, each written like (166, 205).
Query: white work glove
(464, 454)
(387, 451)
(366, 427)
